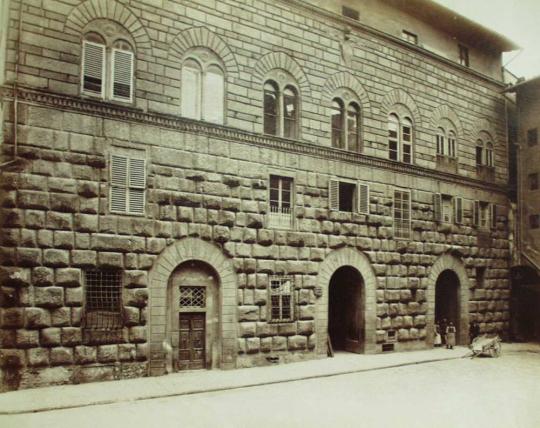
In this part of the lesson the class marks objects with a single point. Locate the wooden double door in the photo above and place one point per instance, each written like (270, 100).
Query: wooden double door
(191, 349)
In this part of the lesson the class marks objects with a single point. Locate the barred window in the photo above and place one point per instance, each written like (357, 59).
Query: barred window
(103, 299)
(281, 305)
(402, 214)
(193, 297)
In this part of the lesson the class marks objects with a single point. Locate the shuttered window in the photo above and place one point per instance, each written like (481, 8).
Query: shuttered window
(333, 195)
(437, 207)
(122, 75)
(476, 213)
(458, 210)
(493, 215)
(93, 66)
(363, 198)
(128, 185)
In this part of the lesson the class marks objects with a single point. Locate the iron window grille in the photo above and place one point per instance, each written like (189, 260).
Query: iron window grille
(103, 309)
(192, 297)
(281, 299)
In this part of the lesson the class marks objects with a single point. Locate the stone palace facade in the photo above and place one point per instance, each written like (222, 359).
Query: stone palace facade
(203, 184)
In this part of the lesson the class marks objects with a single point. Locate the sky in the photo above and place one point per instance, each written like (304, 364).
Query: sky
(518, 20)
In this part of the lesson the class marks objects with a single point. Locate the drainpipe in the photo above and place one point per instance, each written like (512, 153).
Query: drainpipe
(15, 83)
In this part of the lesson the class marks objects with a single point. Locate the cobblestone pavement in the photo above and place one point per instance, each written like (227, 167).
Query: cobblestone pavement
(481, 392)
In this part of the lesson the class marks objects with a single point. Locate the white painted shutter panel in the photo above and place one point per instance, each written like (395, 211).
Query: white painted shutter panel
(122, 75)
(137, 185)
(476, 213)
(363, 198)
(458, 210)
(437, 207)
(333, 195)
(118, 197)
(191, 92)
(93, 68)
(493, 215)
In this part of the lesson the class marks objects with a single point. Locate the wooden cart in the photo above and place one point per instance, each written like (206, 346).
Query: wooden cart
(486, 345)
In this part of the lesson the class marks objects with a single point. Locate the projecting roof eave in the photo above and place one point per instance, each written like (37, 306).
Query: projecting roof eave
(464, 29)
(534, 81)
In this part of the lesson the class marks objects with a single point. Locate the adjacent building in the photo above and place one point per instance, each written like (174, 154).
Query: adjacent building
(200, 184)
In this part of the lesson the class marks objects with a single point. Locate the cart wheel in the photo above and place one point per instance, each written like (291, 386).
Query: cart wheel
(497, 350)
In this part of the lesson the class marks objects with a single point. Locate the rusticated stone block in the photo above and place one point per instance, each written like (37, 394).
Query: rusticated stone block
(83, 258)
(407, 321)
(27, 338)
(419, 320)
(248, 313)
(221, 234)
(247, 329)
(253, 345)
(33, 200)
(306, 312)
(403, 334)
(287, 329)
(312, 341)
(49, 297)
(55, 258)
(34, 219)
(131, 316)
(107, 353)
(15, 276)
(136, 278)
(37, 318)
(85, 354)
(29, 256)
(265, 329)
(71, 336)
(142, 351)
(254, 221)
(12, 317)
(61, 356)
(85, 223)
(137, 334)
(306, 328)
(137, 297)
(127, 352)
(49, 336)
(74, 296)
(110, 260)
(37, 357)
(297, 343)
(60, 317)
(279, 343)
(266, 344)
(68, 277)
(59, 221)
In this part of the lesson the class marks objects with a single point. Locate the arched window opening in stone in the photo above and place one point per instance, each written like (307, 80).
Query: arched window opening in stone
(489, 154)
(203, 86)
(393, 137)
(440, 141)
(290, 112)
(337, 123)
(479, 153)
(271, 103)
(107, 66)
(400, 138)
(281, 105)
(451, 144)
(353, 127)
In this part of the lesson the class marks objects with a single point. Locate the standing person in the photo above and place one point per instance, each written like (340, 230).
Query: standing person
(437, 340)
(474, 331)
(450, 336)
(443, 325)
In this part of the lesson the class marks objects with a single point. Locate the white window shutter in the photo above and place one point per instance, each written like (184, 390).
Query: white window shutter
(493, 215)
(214, 95)
(119, 173)
(363, 198)
(191, 92)
(437, 207)
(333, 195)
(476, 213)
(458, 210)
(122, 75)
(137, 185)
(93, 68)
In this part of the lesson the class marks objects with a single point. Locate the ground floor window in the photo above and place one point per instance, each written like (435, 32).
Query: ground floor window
(281, 305)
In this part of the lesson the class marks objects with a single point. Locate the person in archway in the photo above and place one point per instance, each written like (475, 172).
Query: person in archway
(474, 331)
(443, 324)
(437, 341)
(450, 336)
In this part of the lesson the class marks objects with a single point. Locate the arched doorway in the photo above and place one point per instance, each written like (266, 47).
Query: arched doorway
(447, 299)
(346, 310)
(194, 319)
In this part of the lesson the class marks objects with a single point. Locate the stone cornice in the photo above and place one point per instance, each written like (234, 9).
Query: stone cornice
(130, 114)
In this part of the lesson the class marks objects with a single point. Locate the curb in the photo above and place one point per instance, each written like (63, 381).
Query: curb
(222, 388)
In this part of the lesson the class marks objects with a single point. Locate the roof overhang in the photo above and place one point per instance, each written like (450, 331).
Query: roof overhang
(463, 29)
(533, 83)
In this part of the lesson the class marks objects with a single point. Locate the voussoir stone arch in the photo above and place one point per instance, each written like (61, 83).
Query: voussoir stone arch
(346, 80)
(189, 249)
(203, 37)
(450, 262)
(446, 112)
(327, 268)
(399, 97)
(280, 60)
(113, 10)
(485, 125)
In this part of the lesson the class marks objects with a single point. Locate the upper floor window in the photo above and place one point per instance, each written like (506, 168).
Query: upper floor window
(463, 55)
(281, 202)
(127, 183)
(203, 86)
(280, 109)
(484, 215)
(345, 125)
(484, 153)
(532, 137)
(348, 196)
(107, 68)
(400, 139)
(409, 37)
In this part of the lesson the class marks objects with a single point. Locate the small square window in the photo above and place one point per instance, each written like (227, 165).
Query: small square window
(281, 299)
(409, 37)
(533, 181)
(349, 12)
(463, 55)
(534, 221)
(532, 137)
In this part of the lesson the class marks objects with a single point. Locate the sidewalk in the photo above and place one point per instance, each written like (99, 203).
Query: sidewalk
(194, 382)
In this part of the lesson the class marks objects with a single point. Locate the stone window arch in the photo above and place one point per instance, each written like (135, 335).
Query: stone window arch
(107, 61)
(281, 105)
(203, 85)
(446, 138)
(400, 135)
(346, 121)
(485, 155)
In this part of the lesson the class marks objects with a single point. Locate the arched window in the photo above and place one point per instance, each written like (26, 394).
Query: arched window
(400, 138)
(107, 67)
(440, 141)
(281, 109)
(203, 87)
(353, 127)
(479, 153)
(489, 154)
(337, 114)
(451, 144)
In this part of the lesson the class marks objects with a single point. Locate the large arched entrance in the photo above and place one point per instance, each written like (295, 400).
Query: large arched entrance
(346, 310)
(194, 316)
(447, 299)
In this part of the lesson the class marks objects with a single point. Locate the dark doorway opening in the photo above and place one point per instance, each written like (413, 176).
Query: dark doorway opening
(447, 300)
(346, 310)
(526, 313)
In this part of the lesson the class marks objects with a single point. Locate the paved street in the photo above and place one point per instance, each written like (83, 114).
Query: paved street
(483, 392)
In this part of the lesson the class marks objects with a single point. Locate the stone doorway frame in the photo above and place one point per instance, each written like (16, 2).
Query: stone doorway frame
(181, 251)
(359, 261)
(448, 262)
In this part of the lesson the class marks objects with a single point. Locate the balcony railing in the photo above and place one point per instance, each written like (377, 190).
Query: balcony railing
(280, 218)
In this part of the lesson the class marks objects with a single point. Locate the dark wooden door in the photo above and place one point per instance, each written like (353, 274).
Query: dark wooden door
(191, 352)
